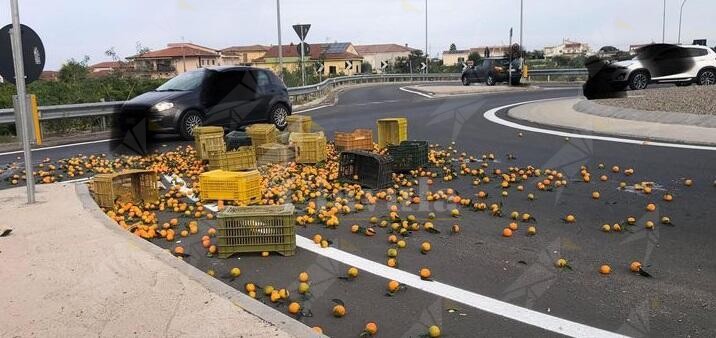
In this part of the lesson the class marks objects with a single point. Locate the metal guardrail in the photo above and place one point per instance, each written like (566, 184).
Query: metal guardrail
(297, 94)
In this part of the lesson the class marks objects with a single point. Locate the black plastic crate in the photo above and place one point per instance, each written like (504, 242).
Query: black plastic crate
(236, 139)
(367, 169)
(409, 155)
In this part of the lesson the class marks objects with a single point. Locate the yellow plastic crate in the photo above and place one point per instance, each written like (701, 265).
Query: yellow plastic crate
(392, 131)
(299, 123)
(243, 187)
(243, 158)
(262, 133)
(128, 186)
(256, 229)
(208, 138)
(274, 153)
(359, 139)
(310, 147)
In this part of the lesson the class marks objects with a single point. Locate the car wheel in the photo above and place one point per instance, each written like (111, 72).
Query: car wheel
(707, 77)
(279, 113)
(188, 122)
(465, 81)
(639, 80)
(490, 81)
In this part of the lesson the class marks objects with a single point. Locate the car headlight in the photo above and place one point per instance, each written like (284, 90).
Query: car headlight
(162, 106)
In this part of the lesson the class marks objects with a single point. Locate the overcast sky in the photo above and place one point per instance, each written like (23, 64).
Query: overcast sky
(73, 28)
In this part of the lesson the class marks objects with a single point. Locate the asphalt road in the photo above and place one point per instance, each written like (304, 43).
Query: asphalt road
(520, 270)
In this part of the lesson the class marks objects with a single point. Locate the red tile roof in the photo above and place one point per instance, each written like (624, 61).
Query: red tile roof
(382, 48)
(176, 51)
(317, 51)
(251, 48)
(107, 64)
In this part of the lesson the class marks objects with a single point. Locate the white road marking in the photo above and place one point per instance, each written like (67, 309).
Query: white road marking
(475, 300)
(77, 180)
(56, 147)
(491, 115)
(415, 92)
(310, 109)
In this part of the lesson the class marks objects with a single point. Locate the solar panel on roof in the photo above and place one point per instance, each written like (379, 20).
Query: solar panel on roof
(336, 48)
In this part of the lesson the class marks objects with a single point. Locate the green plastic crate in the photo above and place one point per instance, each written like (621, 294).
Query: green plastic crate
(256, 229)
(409, 155)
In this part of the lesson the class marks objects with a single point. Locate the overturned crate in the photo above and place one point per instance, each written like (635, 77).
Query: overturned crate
(208, 138)
(392, 131)
(409, 155)
(237, 139)
(367, 169)
(359, 139)
(242, 187)
(262, 133)
(243, 158)
(310, 147)
(256, 229)
(274, 153)
(299, 124)
(134, 186)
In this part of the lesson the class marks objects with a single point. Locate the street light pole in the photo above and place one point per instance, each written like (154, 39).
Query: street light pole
(522, 59)
(16, 42)
(280, 47)
(681, 11)
(663, 25)
(427, 59)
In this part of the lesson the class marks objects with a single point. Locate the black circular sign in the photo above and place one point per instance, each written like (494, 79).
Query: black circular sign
(33, 54)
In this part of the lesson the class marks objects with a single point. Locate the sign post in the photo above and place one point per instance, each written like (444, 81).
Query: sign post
(302, 30)
(509, 81)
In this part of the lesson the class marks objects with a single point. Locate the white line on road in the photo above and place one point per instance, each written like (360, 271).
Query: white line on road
(484, 303)
(310, 109)
(491, 115)
(415, 92)
(56, 147)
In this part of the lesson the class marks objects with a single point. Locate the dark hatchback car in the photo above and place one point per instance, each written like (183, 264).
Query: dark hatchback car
(230, 97)
(491, 71)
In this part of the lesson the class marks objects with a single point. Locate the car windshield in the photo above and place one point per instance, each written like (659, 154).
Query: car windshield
(183, 82)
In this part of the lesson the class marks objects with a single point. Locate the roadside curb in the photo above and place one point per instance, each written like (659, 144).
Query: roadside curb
(594, 108)
(463, 92)
(246, 303)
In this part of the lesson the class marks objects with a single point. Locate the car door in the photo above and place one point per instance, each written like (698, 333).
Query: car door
(483, 69)
(265, 90)
(702, 58)
(671, 64)
(234, 98)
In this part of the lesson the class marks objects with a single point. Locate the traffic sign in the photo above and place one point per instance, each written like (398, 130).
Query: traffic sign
(423, 66)
(319, 67)
(306, 48)
(302, 30)
(33, 53)
(464, 66)
(383, 64)
(349, 64)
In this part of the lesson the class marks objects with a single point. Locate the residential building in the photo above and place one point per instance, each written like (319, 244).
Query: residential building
(459, 56)
(242, 55)
(48, 75)
(335, 56)
(375, 54)
(177, 58)
(106, 66)
(567, 48)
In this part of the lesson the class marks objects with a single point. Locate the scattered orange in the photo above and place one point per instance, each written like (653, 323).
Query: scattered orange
(605, 269)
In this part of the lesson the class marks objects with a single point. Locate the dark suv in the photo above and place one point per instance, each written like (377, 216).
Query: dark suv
(223, 96)
(491, 71)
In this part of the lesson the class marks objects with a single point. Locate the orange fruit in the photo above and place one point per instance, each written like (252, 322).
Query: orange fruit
(352, 272)
(371, 328)
(393, 286)
(605, 269)
(294, 308)
(650, 207)
(513, 226)
(506, 232)
(339, 311)
(425, 247)
(392, 262)
(212, 249)
(179, 250)
(425, 273)
(317, 329)
(303, 277)
(317, 238)
(635, 266)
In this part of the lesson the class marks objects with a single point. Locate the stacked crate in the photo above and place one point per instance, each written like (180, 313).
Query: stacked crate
(129, 186)
(243, 158)
(310, 147)
(359, 139)
(256, 229)
(299, 124)
(242, 187)
(262, 133)
(392, 131)
(367, 169)
(208, 138)
(274, 153)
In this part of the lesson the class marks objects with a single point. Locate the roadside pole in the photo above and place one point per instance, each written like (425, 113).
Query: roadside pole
(16, 42)
(522, 57)
(509, 67)
(427, 59)
(280, 47)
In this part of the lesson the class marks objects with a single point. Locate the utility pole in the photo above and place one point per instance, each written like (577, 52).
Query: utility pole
(16, 42)
(183, 55)
(427, 59)
(280, 47)
(681, 11)
(522, 59)
(663, 25)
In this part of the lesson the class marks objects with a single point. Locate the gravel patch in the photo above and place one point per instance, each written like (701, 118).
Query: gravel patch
(693, 99)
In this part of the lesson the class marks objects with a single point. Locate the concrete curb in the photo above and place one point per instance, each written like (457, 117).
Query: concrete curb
(463, 91)
(594, 108)
(248, 304)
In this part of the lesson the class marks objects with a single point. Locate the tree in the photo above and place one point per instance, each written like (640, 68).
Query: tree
(474, 57)
(141, 49)
(366, 68)
(73, 70)
(535, 54)
(577, 61)
(453, 48)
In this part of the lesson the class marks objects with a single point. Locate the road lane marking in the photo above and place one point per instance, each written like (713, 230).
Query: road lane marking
(415, 92)
(310, 109)
(57, 147)
(491, 115)
(484, 303)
